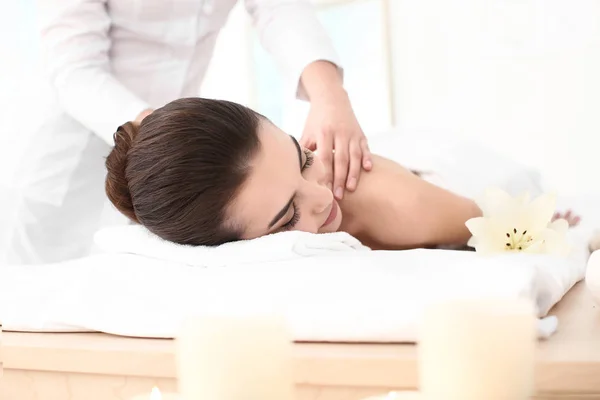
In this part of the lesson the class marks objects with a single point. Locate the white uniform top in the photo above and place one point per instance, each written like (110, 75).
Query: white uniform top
(108, 60)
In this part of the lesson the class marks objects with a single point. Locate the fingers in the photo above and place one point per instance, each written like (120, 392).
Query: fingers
(325, 147)
(308, 142)
(342, 168)
(356, 158)
(572, 218)
(367, 159)
(569, 216)
(556, 216)
(341, 161)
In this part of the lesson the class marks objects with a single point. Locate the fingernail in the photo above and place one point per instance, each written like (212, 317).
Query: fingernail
(339, 192)
(351, 183)
(368, 164)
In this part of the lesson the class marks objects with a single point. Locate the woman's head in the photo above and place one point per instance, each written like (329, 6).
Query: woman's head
(206, 172)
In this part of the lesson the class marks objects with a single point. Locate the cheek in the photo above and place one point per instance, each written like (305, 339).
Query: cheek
(253, 208)
(307, 223)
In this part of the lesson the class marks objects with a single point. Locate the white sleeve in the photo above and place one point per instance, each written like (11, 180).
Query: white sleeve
(75, 51)
(291, 32)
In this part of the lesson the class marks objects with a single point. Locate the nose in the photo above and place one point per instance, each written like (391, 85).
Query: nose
(320, 197)
(321, 176)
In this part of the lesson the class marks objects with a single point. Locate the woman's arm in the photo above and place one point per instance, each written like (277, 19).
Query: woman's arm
(292, 33)
(394, 209)
(76, 45)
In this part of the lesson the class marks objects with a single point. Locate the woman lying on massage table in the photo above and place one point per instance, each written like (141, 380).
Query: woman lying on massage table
(206, 172)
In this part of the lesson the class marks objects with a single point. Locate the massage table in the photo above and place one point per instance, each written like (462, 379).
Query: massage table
(94, 366)
(378, 300)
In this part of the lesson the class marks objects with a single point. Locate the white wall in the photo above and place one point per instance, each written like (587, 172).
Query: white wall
(230, 73)
(363, 53)
(520, 75)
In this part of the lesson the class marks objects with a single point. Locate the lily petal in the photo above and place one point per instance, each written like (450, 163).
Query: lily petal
(540, 212)
(477, 226)
(536, 247)
(472, 242)
(560, 225)
(495, 201)
(555, 243)
(490, 247)
(523, 199)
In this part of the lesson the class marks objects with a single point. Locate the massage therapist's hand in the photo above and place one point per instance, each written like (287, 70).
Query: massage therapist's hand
(332, 125)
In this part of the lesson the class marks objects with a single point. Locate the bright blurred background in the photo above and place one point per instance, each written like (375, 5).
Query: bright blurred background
(522, 76)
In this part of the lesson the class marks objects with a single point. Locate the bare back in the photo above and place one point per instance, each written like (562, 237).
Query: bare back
(393, 208)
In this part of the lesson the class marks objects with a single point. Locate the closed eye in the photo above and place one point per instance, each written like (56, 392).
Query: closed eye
(303, 164)
(294, 220)
(310, 158)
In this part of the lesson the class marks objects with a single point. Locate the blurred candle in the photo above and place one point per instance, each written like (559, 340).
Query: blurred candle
(232, 358)
(397, 396)
(156, 394)
(481, 349)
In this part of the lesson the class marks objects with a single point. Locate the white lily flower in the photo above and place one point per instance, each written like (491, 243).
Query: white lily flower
(518, 224)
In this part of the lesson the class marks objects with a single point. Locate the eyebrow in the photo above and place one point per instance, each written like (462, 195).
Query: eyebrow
(285, 209)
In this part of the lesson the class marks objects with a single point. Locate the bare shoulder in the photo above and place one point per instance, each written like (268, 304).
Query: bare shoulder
(382, 182)
(393, 208)
(382, 200)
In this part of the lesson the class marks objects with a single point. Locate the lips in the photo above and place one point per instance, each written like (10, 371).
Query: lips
(332, 214)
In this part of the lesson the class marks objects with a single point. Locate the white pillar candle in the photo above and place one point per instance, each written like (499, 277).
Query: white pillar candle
(480, 349)
(592, 275)
(156, 394)
(397, 396)
(232, 358)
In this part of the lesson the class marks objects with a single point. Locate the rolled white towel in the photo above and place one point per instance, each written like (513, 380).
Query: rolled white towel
(135, 239)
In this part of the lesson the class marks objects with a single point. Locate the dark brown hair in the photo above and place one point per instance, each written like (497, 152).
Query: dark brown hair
(178, 172)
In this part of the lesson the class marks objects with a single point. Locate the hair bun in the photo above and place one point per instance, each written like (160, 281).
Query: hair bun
(117, 185)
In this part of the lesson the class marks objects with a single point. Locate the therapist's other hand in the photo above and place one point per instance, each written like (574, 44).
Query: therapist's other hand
(332, 125)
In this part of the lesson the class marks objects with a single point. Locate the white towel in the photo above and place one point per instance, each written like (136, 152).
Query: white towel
(135, 239)
(362, 296)
(330, 287)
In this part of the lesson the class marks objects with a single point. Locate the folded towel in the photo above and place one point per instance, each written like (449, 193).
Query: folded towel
(135, 239)
(343, 292)
(355, 296)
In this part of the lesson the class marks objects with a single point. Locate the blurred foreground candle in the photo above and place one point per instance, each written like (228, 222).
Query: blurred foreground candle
(235, 357)
(475, 350)
(156, 394)
(397, 396)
